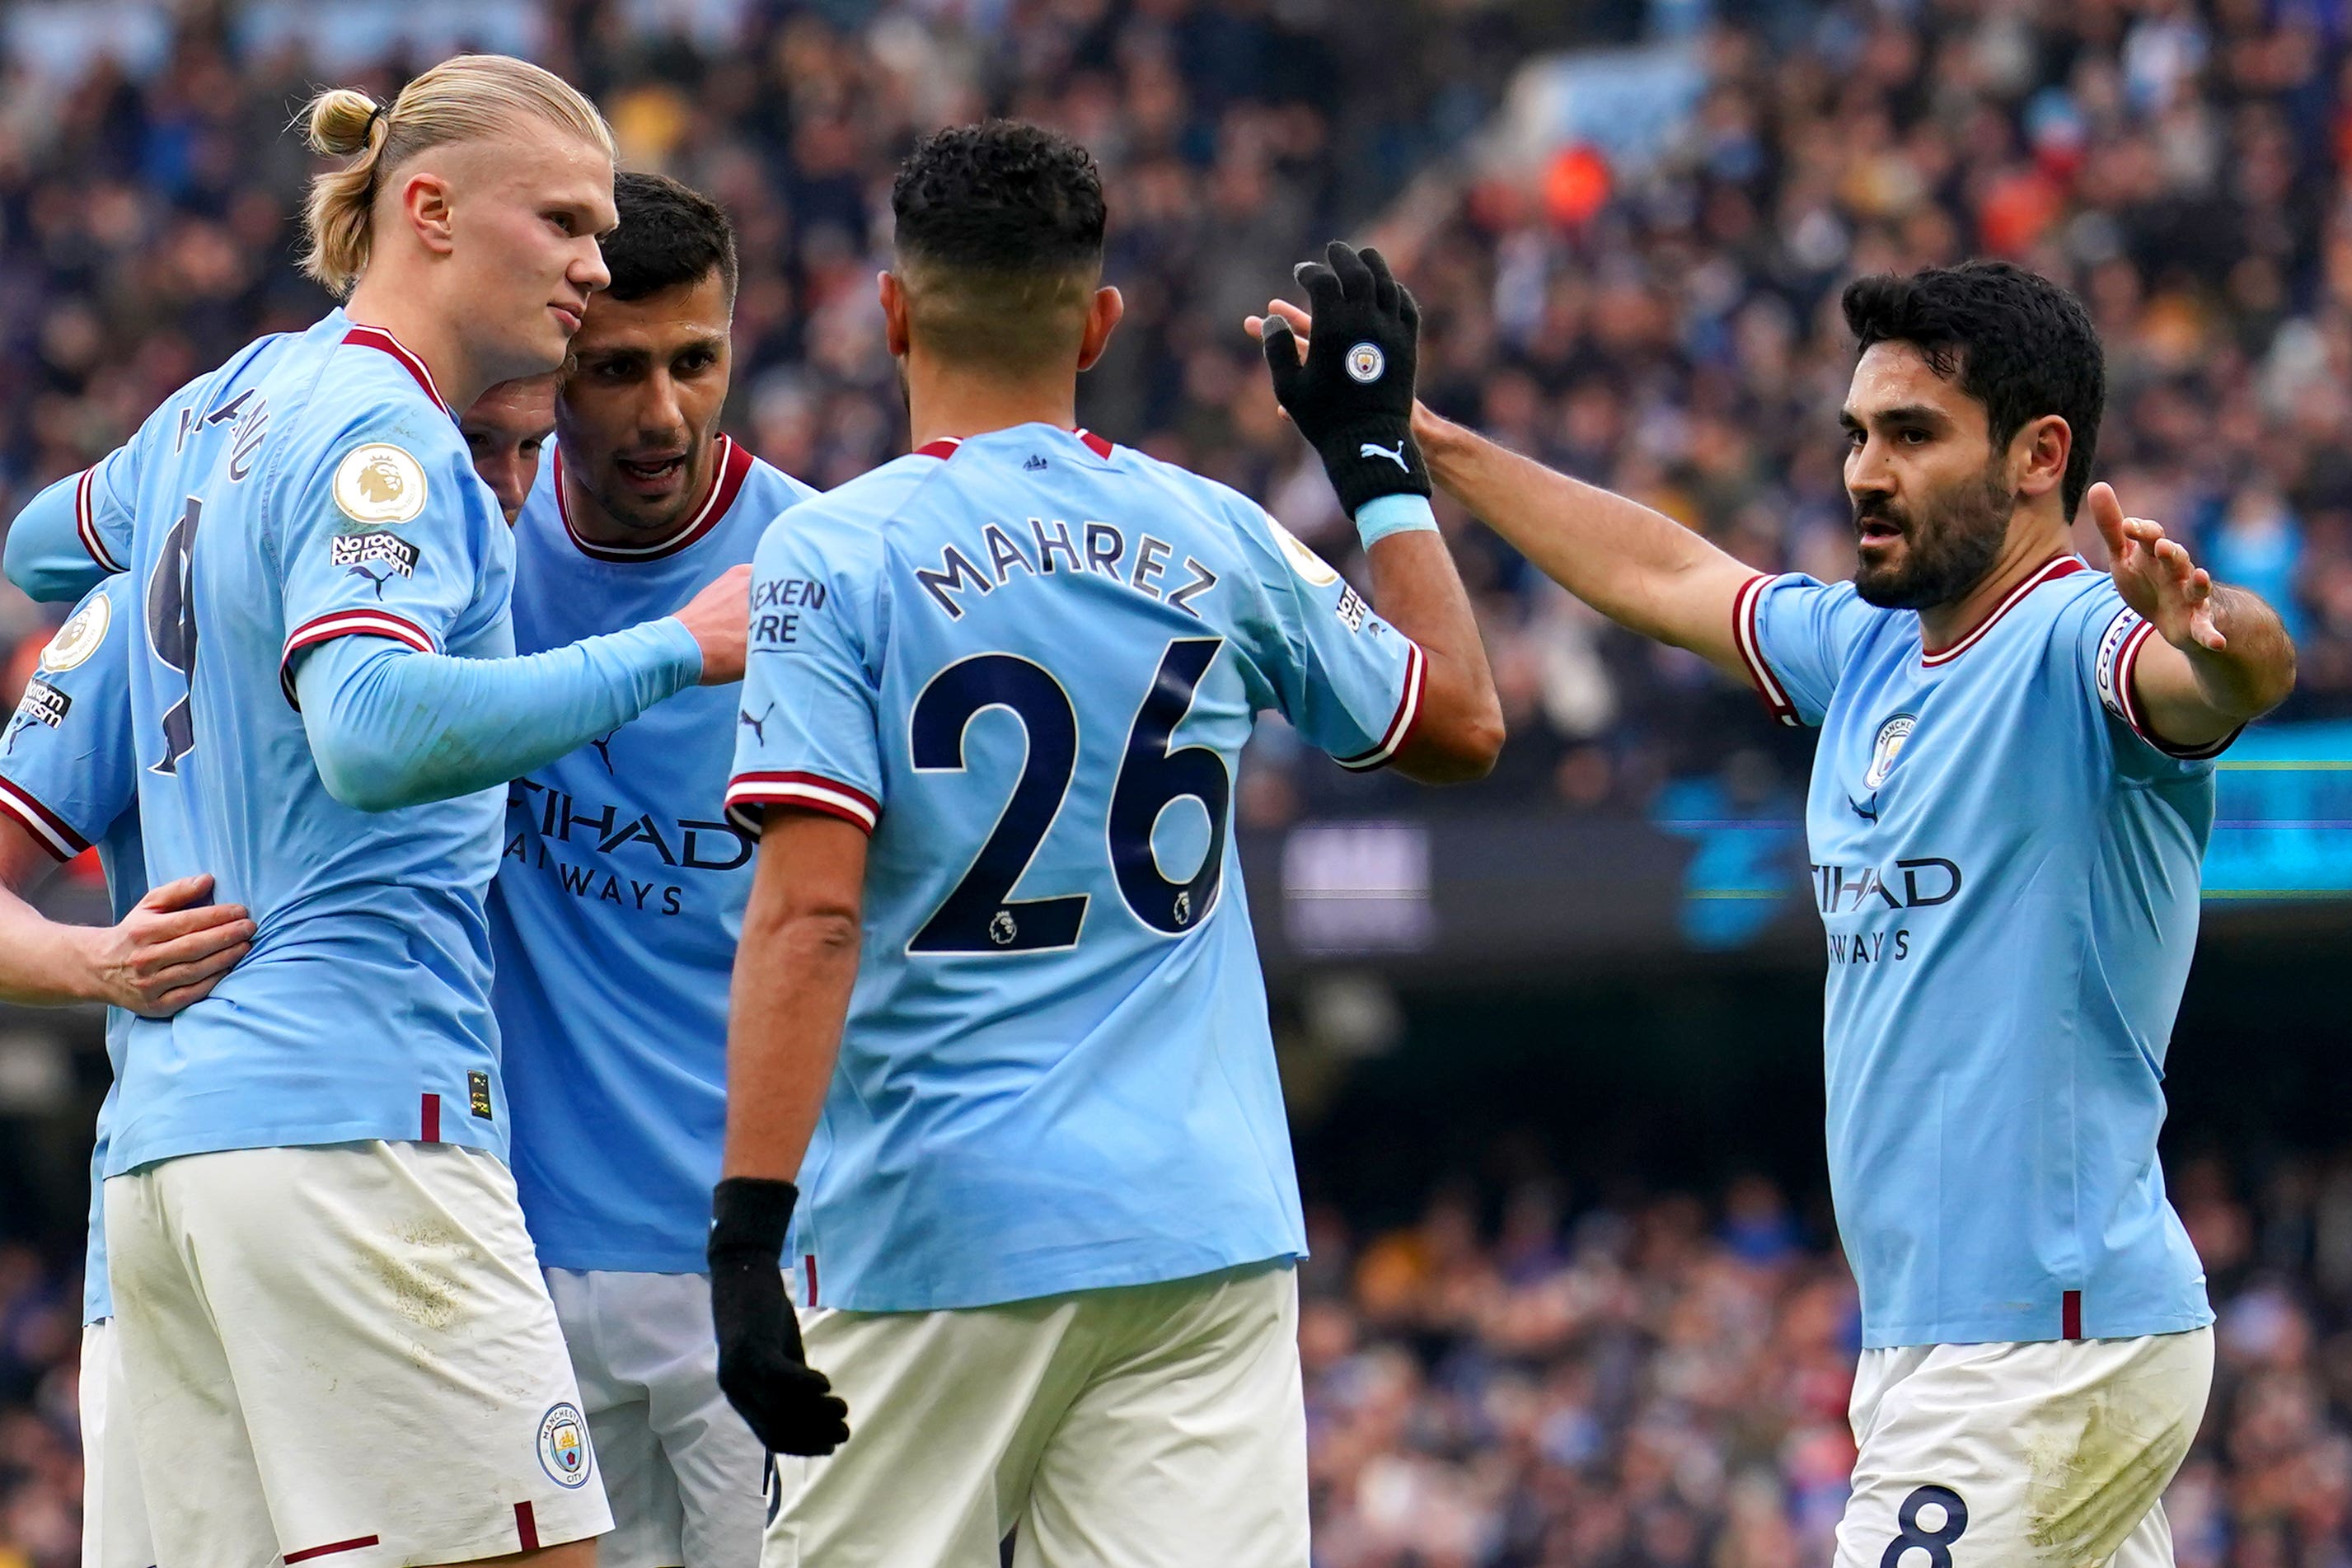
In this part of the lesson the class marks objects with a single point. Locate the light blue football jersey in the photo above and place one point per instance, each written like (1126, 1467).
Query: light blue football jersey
(618, 902)
(64, 541)
(2007, 865)
(1026, 664)
(318, 488)
(66, 774)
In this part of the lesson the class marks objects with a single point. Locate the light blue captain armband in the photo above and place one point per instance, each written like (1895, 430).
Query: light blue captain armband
(1385, 514)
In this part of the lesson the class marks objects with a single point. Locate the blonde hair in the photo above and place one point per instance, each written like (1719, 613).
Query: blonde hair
(464, 99)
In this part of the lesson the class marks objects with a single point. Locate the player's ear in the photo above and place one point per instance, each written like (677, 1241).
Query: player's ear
(425, 205)
(1104, 312)
(894, 312)
(2038, 455)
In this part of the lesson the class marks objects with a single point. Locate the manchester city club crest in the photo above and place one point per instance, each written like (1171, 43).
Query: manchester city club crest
(563, 1445)
(1366, 362)
(1891, 735)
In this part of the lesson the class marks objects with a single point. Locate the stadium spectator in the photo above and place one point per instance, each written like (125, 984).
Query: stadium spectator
(1666, 330)
(1651, 1384)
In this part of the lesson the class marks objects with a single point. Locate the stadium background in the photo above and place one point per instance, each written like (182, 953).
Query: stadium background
(1552, 1040)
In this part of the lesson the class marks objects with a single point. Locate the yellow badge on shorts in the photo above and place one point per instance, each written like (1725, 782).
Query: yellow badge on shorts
(379, 483)
(79, 637)
(1303, 561)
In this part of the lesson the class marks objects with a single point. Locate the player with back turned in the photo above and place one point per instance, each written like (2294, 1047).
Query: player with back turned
(326, 709)
(2011, 793)
(997, 1007)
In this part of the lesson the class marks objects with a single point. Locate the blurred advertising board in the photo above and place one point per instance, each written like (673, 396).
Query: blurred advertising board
(1472, 891)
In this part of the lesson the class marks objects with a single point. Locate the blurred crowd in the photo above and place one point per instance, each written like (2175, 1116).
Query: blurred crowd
(1640, 1383)
(1649, 1384)
(1663, 1382)
(1662, 321)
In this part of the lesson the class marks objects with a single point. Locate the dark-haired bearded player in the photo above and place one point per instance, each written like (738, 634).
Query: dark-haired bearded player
(615, 914)
(2009, 804)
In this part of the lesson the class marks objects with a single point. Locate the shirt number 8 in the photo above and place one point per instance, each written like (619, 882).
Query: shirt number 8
(1936, 1544)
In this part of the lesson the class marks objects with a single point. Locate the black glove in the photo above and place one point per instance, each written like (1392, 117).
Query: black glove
(763, 1368)
(1353, 397)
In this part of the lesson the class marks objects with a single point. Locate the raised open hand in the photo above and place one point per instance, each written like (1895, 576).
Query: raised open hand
(2155, 575)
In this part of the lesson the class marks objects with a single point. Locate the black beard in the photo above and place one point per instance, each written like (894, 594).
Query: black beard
(1947, 548)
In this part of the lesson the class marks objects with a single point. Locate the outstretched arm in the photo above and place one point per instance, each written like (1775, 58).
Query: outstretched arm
(390, 727)
(1416, 590)
(2220, 657)
(1354, 405)
(1638, 567)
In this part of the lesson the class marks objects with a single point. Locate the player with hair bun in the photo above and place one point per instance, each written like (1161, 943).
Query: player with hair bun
(336, 1344)
(69, 778)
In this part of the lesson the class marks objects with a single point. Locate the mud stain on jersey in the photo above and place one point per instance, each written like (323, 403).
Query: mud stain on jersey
(423, 1274)
(2085, 1495)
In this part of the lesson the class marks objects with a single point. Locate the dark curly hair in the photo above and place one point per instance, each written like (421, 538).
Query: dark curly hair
(1000, 242)
(670, 236)
(1000, 196)
(2011, 339)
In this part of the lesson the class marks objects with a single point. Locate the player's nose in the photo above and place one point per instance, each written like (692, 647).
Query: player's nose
(588, 270)
(661, 418)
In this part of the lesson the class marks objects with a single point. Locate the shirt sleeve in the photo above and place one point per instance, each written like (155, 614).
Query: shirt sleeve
(75, 532)
(67, 767)
(2108, 638)
(1795, 636)
(390, 727)
(808, 734)
(388, 534)
(1349, 682)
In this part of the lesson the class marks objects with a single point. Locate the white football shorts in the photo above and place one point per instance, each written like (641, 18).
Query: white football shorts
(344, 1355)
(682, 1471)
(113, 1510)
(1147, 1427)
(2050, 1455)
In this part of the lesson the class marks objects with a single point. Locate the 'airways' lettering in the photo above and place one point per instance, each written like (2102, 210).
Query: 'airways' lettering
(1869, 946)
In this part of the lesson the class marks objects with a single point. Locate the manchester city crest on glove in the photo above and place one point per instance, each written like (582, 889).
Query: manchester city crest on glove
(1366, 363)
